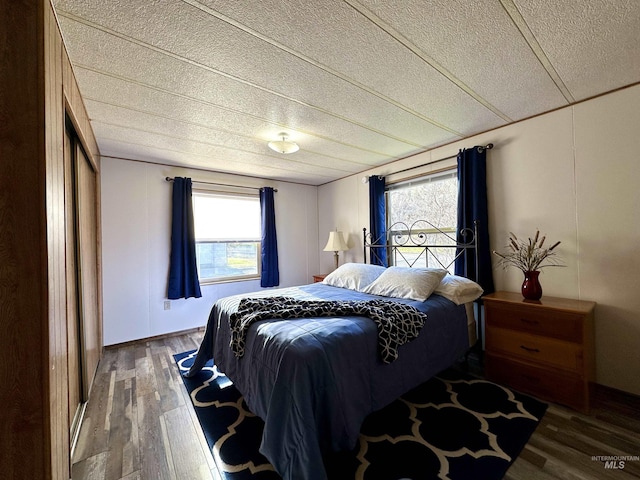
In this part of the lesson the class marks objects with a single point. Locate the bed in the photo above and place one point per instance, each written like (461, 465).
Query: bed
(313, 380)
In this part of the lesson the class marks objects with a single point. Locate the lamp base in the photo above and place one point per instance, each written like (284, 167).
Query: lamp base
(335, 256)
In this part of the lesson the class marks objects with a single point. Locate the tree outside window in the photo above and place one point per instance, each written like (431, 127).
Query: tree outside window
(424, 205)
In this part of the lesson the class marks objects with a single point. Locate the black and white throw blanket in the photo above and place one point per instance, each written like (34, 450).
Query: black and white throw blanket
(397, 323)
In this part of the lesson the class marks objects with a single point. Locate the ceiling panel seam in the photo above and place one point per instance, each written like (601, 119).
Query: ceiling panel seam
(215, 105)
(202, 125)
(317, 64)
(283, 169)
(232, 77)
(529, 37)
(221, 172)
(408, 44)
(204, 142)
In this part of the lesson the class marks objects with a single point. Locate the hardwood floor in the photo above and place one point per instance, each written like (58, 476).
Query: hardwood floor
(140, 424)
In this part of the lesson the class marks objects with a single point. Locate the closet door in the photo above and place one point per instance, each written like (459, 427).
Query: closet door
(84, 334)
(74, 345)
(87, 228)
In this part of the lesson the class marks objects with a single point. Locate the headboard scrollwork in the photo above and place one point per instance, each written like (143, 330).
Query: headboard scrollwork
(423, 244)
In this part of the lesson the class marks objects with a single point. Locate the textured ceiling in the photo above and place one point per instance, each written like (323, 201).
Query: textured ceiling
(356, 83)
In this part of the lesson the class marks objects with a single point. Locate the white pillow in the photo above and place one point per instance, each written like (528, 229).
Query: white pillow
(459, 289)
(405, 282)
(354, 276)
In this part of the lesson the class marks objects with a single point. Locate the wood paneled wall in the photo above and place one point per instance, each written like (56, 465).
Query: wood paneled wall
(23, 283)
(56, 334)
(34, 423)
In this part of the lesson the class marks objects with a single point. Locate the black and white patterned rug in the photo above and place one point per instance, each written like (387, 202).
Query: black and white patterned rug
(453, 426)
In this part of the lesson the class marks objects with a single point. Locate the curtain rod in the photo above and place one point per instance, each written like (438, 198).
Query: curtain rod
(170, 179)
(480, 148)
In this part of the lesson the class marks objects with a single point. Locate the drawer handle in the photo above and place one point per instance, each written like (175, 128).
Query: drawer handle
(529, 349)
(530, 322)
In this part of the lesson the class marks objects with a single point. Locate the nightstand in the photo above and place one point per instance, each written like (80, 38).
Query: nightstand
(319, 278)
(543, 347)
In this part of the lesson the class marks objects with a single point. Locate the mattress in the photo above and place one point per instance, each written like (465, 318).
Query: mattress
(314, 380)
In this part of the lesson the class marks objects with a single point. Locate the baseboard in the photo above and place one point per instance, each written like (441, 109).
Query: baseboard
(604, 394)
(156, 337)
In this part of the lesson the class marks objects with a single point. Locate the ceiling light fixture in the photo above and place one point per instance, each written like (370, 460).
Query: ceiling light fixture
(284, 145)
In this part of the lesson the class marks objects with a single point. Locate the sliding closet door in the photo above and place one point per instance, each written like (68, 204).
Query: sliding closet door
(87, 228)
(74, 356)
(84, 334)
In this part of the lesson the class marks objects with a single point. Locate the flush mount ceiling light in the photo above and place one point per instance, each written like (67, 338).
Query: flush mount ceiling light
(284, 145)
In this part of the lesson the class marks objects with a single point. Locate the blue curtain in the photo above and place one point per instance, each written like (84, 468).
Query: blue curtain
(183, 272)
(472, 206)
(270, 276)
(377, 220)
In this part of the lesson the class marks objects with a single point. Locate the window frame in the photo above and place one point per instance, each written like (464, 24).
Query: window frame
(426, 177)
(233, 278)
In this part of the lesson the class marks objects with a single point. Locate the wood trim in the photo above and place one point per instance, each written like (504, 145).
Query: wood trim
(75, 109)
(604, 394)
(88, 141)
(471, 138)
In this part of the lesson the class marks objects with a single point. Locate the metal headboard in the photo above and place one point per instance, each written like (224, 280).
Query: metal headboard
(422, 242)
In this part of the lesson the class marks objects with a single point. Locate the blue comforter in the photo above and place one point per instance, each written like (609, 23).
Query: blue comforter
(314, 380)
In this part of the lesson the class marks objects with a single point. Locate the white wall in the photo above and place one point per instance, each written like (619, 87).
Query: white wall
(136, 231)
(607, 143)
(574, 174)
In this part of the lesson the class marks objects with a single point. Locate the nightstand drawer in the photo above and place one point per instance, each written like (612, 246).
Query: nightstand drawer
(547, 322)
(544, 348)
(566, 389)
(532, 348)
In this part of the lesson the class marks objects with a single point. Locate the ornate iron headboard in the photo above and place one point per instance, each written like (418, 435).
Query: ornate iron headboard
(422, 242)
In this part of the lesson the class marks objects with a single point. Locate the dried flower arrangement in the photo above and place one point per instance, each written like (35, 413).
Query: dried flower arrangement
(530, 255)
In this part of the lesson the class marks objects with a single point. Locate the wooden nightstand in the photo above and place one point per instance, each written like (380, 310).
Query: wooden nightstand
(544, 347)
(319, 278)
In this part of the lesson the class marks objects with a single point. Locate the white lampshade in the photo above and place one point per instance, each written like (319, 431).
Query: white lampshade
(336, 243)
(283, 146)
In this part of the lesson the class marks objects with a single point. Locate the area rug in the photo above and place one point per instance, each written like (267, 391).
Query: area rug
(453, 426)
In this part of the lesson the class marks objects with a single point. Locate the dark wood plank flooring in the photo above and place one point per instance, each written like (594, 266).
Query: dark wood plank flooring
(140, 424)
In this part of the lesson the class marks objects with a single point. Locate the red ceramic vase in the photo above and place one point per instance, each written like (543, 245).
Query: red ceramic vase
(531, 288)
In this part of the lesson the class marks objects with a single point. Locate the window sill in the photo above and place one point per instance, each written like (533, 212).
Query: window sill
(206, 282)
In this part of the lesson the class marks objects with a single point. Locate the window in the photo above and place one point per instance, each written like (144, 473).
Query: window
(433, 198)
(227, 231)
